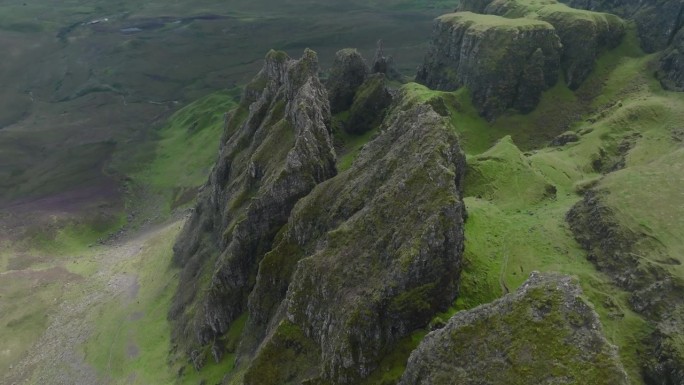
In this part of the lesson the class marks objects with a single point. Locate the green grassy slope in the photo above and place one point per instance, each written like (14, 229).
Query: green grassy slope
(517, 199)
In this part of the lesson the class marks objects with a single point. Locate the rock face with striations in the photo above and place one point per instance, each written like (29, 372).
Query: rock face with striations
(505, 63)
(545, 333)
(583, 34)
(276, 147)
(366, 258)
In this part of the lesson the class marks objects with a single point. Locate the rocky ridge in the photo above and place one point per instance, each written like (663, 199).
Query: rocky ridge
(368, 257)
(277, 146)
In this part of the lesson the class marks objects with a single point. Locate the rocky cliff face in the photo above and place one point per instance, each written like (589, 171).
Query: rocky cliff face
(504, 62)
(545, 333)
(368, 257)
(657, 20)
(331, 278)
(511, 51)
(584, 35)
(659, 24)
(276, 148)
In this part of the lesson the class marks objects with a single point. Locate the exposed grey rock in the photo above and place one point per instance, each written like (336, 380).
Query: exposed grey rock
(368, 257)
(384, 64)
(276, 148)
(657, 20)
(544, 333)
(565, 138)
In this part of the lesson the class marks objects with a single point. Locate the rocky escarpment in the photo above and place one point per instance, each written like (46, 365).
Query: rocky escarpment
(276, 147)
(659, 24)
(508, 52)
(366, 258)
(583, 34)
(544, 333)
(655, 293)
(657, 20)
(504, 62)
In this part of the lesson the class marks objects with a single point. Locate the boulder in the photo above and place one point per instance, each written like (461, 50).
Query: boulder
(544, 333)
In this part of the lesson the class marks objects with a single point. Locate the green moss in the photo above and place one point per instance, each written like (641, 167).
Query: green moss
(187, 148)
(285, 357)
(416, 300)
(533, 346)
(393, 364)
(480, 22)
(279, 56)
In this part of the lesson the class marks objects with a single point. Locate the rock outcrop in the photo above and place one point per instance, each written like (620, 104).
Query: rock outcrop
(366, 258)
(505, 63)
(659, 24)
(277, 146)
(347, 74)
(583, 34)
(671, 71)
(544, 333)
(370, 104)
(657, 20)
(383, 64)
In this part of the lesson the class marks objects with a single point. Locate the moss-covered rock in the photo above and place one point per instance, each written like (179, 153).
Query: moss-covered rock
(504, 62)
(583, 34)
(370, 255)
(370, 103)
(279, 149)
(544, 333)
(347, 74)
(659, 23)
(657, 20)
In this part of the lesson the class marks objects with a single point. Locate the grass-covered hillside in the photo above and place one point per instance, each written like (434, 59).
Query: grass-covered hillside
(111, 118)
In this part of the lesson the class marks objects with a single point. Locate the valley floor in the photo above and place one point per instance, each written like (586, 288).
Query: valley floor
(108, 324)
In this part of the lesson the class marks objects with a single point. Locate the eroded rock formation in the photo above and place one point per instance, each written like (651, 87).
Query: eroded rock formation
(544, 333)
